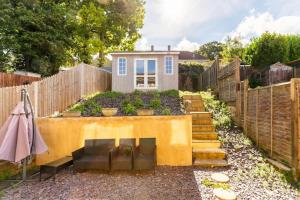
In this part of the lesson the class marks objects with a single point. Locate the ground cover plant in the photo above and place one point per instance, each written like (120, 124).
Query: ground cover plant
(163, 103)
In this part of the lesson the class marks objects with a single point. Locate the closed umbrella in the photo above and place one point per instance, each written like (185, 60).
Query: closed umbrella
(19, 136)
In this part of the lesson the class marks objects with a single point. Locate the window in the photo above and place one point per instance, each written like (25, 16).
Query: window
(169, 65)
(145, 74)
(122, 66)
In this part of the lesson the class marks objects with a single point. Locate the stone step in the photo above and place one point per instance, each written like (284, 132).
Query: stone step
(203, 128)
(204, 135)
(192, 97)
(201, 115)
(203, 121)
(209, 153)
(206, 144)
(210, 162)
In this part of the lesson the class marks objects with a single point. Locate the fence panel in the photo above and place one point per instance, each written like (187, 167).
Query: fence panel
(57, 92)
(8, 80)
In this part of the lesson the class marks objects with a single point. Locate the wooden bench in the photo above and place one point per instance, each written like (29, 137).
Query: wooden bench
(53, 167)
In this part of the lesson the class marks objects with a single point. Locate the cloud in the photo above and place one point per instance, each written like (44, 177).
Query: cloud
(143, 44)
(186, 45)
(258, 23)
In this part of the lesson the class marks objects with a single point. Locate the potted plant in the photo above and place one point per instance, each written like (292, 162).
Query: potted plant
(109, 112)
(145, 112)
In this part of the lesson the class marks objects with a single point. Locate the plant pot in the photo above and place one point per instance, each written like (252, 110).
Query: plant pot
(145, 112)
(109, 112)
(71, 114)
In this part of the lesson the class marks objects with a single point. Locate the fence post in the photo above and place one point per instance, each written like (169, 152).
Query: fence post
(82, 85)
(246, 83)
(295, 128)
(271, 120)
(256, 117)
(36, 98)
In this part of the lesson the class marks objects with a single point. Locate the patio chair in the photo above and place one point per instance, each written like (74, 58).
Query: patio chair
(95, 155)
(144, 156)
(122, 157)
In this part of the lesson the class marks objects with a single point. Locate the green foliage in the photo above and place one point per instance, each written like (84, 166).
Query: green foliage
(209, 183)
(211, 49)
(170, 93)
(155, 103)
(233, 47)
(294, 47)
(112, 95)
(154, 93)
(191, 69)
(89, 107)
(266, 50)
(219, 110)
(6, 174)
(138, 102)
(129, 109)
(254, 82)
(166, 111)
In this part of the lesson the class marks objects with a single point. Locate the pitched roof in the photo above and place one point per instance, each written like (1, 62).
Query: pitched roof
(187, 55)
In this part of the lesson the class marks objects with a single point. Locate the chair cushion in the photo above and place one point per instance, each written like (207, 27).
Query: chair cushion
(125, 150)
(147, 145)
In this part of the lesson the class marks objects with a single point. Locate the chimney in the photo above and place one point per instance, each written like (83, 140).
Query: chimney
(152, 47)
(169, 47)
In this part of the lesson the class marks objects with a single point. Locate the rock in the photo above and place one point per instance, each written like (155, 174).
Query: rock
(219, 177)
(224, 194)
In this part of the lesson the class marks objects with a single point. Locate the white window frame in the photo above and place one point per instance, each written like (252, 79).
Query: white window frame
(165, 64)
(118, 68)
(146, 74)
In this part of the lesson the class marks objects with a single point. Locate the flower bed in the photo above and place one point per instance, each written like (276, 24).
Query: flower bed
(163, 103)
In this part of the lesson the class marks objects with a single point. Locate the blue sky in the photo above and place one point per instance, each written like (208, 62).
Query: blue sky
(186, 24)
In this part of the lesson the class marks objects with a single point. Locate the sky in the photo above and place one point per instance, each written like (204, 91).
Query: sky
(186, 24)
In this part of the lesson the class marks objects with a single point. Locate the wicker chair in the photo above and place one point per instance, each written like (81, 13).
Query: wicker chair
(144, 156)
(122, 157)
(95, 155)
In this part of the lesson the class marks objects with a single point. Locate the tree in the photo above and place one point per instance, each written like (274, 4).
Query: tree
(266, 50)
(294, 47)
(211, 49)
(232, 48)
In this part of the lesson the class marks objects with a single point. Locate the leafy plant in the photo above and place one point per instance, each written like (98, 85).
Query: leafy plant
(155, 103)
(6, 174)
(138, 102)
(166, 111)
(129, 109)
(92, 107)
(170, 93)
(219, 110)
(209, 183)
(112, 95)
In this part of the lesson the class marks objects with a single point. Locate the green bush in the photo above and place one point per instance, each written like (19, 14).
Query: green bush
(138, 102)
(129, 109)
(170, 93)
(221, 115)
(155, 103)
(92, 108)
(154, 93)
(166, 111)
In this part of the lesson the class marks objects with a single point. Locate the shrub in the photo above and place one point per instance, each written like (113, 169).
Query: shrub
(219, 110)
(138, 102)
(154, 93)
(170, 93)
(166, 111)
(126, 100)
(112, 95)
(92, 108)
(129, 109)
(155, 103)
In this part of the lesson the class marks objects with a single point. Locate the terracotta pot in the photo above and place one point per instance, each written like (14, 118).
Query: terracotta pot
(145, 112)
(108, 112)
(71, 114)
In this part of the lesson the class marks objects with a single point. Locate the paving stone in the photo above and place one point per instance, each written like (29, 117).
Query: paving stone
(224, 194)
(219, 177)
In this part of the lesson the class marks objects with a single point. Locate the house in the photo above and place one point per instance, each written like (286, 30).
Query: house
(148, 70)
(187, 57)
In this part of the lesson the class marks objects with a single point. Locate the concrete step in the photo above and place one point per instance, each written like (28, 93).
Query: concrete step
(203, 121)
(191, 97)
(203, 128)
(210, 162)
(206, 144)
(201, 115)
(209, 153)
(205, 136)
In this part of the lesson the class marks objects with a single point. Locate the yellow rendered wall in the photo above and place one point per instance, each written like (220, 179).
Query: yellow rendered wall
(173, 135)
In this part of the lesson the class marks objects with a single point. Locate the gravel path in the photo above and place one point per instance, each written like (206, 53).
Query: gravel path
(167, 183)
(251, 177)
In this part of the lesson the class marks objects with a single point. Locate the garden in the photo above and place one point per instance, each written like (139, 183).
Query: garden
(131, 104)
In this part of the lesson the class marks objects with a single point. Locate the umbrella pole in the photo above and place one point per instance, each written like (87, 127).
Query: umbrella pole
(24, 98)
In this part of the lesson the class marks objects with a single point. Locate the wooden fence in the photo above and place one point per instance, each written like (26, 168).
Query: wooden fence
(7, 80)
(270, 117)
(209, 79)
(58, 92)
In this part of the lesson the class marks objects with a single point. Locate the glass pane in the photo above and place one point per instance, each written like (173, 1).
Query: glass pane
(151, 81)
(140, 70)
(140, 82)
(151, 67)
